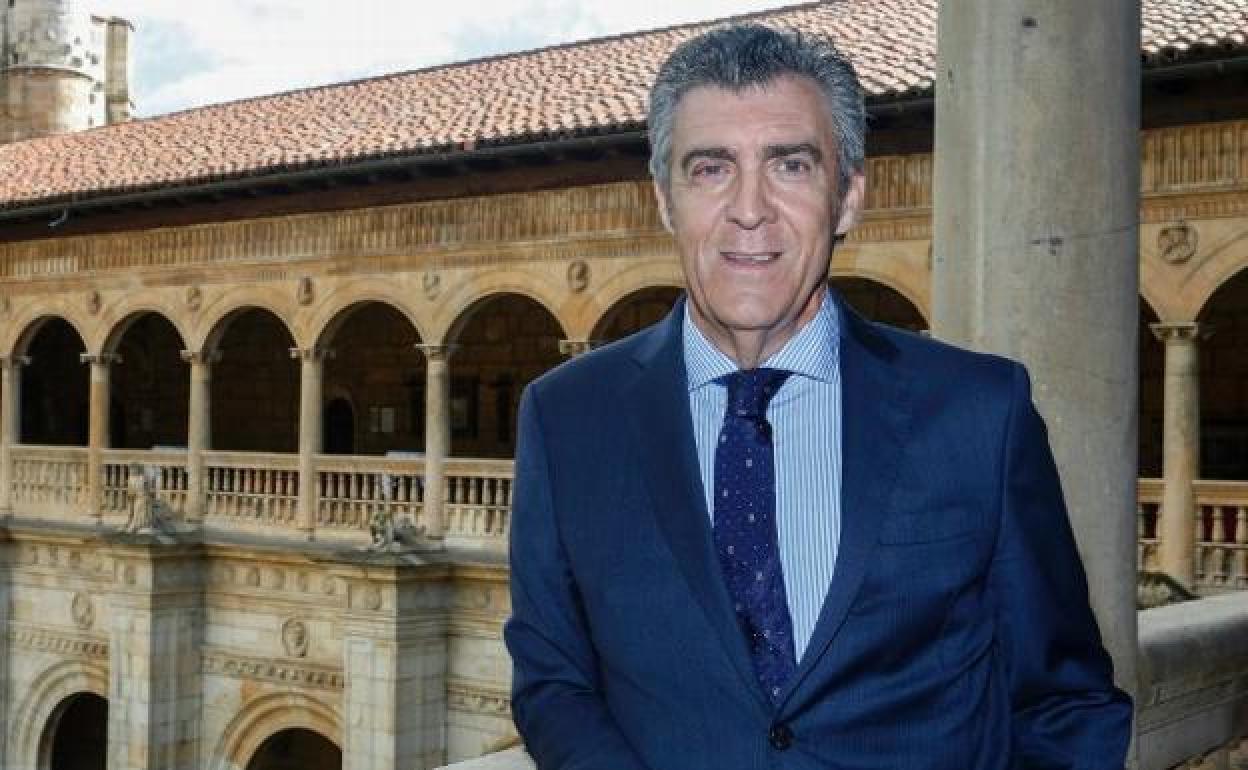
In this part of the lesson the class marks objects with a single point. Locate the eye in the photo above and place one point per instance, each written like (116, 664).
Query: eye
(709, 170)
(794, 165)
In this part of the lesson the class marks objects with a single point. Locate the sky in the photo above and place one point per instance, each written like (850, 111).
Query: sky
(189, 53)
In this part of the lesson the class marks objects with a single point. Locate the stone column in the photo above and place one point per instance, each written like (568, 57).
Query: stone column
(1181, 449)
(10, 424)
(97, 429)
(312, 361)
(394, 646)
(574, 348)
(1036, 246)
(198, 430)
(154, 641)
(437, 435)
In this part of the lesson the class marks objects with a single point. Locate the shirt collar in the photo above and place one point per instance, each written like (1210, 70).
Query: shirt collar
(813, 352)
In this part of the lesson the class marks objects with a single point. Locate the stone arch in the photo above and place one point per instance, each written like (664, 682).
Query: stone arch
(458, 307)
(624, 284)
(1218, 266)
(28, 325)
(218, 315)
(58, 682)
(888, 281)
(116, 320)
(610, 317)
(268, 715)
(345, 301)
(1223, 351)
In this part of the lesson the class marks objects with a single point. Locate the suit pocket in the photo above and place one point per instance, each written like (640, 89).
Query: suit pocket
(927, 526)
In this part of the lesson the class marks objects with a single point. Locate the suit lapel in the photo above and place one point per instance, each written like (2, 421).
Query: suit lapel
(873, 423)
(663, 432)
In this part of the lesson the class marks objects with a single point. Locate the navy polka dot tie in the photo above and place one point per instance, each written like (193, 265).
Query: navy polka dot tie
(745, 525)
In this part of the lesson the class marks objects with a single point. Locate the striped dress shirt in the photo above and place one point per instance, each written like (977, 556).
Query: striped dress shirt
(805, 416)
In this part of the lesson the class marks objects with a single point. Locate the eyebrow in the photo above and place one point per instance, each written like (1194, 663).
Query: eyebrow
(770, 152)
(773, 151)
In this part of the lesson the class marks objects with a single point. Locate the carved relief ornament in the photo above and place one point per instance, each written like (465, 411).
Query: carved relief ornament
(1177, 243)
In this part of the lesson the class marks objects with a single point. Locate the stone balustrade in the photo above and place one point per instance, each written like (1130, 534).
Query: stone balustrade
(1220, 521)
(258, 493)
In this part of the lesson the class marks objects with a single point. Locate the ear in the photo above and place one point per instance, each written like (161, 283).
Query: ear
(665, 213)
(851, 204)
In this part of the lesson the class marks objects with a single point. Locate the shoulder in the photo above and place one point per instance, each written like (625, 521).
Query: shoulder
(935, 366)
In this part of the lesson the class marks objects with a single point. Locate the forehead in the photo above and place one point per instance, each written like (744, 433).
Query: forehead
(790, 107)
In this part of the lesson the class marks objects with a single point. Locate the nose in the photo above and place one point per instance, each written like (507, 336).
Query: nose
(751, 204)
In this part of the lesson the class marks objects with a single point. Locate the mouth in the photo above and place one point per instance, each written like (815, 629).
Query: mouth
(750, 258)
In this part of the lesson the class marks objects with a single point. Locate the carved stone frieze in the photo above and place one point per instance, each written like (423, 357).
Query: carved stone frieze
(43, 640)
(477, 698)
(308, 675)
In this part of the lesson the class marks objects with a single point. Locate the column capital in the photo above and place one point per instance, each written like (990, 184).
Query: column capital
(201, 356)
(573, 348)
(437, 352)
(1180, 331)
(316, 353)
(100, 359)
(14, 361)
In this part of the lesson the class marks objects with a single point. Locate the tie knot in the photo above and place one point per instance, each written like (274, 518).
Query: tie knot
(750, 390)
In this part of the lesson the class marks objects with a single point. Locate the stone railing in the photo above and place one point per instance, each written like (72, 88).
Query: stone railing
(251, 491)
(1221, 523)
(478, 499)
(167, 468)
(1148, 519)
(352, 488)
(49, 481)
(1191, 696)
(1222, 535)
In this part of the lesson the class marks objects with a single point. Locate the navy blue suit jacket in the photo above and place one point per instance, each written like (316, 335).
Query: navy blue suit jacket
(956, 633)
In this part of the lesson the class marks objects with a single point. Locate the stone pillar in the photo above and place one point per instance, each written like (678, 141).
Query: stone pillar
(97, 428)
(574, 348)
(10, 425)
(6, 686)
(198, 431)
(394, 665)
(1036, 241)
(154, 641)
(1181, 449)
(437, 435)
(312, 361)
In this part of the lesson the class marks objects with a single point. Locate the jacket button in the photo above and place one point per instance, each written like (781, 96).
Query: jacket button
(780, 737)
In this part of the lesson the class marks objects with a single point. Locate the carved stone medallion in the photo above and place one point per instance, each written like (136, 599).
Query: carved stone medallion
(578, 276)
(295, 638)
(432, 283)
(304, 294)
(194, 298)
(1177, 243)
(94, 302)
(82, 611)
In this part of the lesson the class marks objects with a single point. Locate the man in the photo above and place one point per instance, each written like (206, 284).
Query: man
(769, 533)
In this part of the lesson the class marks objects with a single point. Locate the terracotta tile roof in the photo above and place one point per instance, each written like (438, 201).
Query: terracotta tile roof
(593, 87)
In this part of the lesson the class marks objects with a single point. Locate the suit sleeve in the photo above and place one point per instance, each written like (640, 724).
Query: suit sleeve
(557, 699)
(1066, 712)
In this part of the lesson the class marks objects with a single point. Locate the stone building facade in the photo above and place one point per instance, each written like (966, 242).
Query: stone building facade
(257, 394)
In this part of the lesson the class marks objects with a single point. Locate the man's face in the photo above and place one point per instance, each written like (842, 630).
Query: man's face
(753, 205)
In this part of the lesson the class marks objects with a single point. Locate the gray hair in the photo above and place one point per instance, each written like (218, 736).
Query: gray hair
(745, 55)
